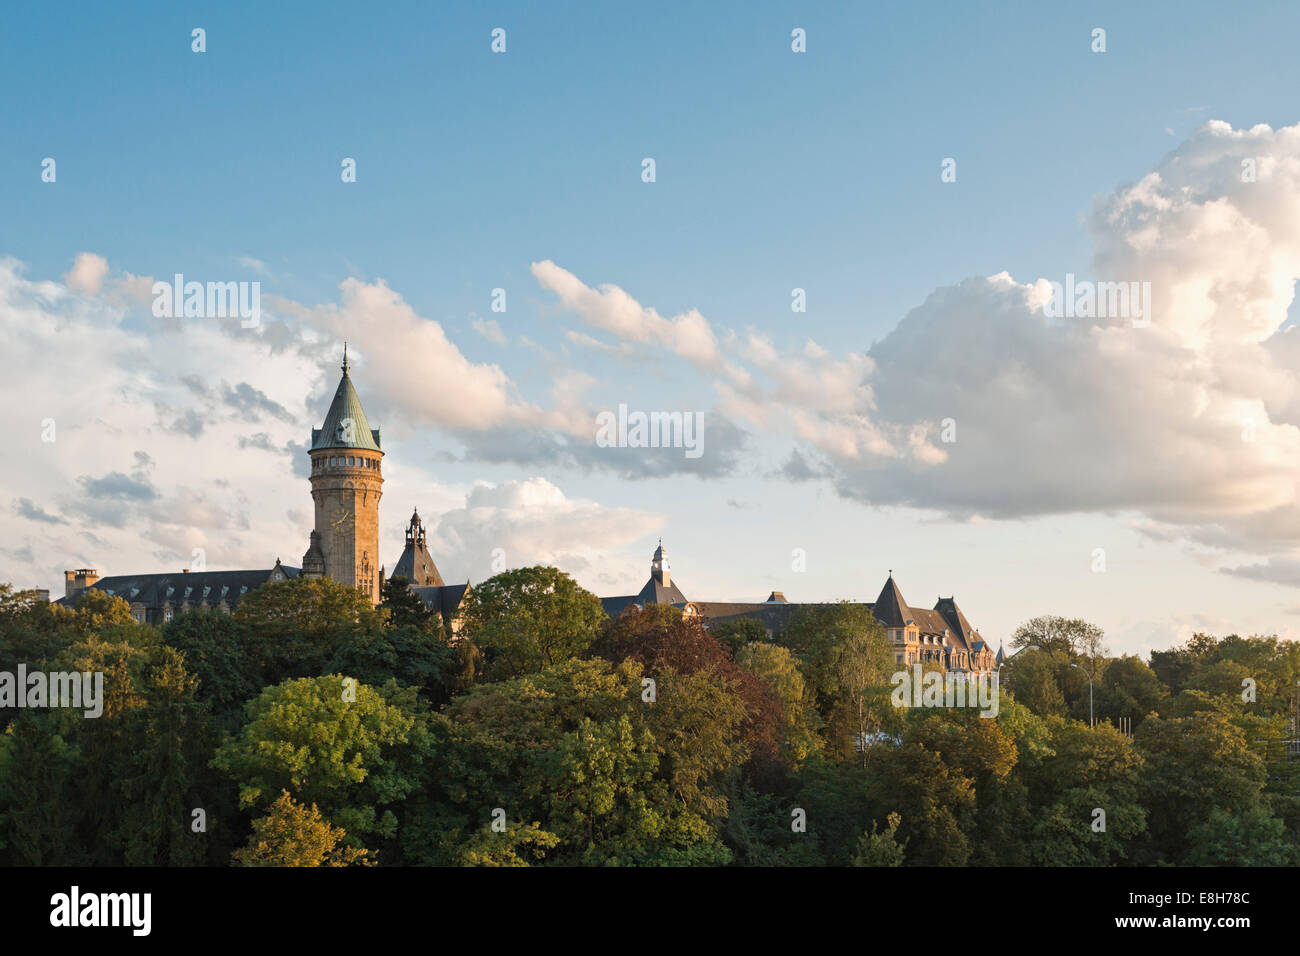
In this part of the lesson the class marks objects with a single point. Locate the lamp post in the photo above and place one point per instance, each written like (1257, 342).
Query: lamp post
(1089, 673)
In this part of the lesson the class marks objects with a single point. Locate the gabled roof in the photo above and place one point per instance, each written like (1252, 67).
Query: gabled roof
(774, 616)
(346, 407)
(416, 565)
(955, 618)
(210, 588)
(930, 622)
(444, 599)
(890, 608)
(656, 593)
(614, 606)
(653, 593)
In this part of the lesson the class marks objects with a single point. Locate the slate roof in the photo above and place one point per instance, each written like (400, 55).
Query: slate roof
(346, 406)
(772, 615)
(416, 565)
(890, 608)
(444, 599)
(654, 592)
(196, 588)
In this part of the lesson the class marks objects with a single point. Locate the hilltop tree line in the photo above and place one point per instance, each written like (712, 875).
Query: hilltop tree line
(310, 728)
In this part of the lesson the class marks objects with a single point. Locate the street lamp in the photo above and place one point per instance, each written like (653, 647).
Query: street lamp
(1089, 673)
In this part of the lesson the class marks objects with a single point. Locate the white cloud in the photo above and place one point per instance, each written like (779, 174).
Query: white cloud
(490, 329)
(256, 265)
(87, 273)
(609, 308)
(134, 494)
(533, 522)
(1189, 423)
(409, 362)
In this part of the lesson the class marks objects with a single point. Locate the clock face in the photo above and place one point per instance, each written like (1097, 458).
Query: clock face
(341, 520)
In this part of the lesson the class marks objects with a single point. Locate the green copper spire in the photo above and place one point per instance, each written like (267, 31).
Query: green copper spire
(345, 423)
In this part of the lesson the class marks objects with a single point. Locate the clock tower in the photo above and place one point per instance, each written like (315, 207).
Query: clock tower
(346, 478)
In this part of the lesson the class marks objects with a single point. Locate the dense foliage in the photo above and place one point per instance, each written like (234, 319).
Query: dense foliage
(311, 729)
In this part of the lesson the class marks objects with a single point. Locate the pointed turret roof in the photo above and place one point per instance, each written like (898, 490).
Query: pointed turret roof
(346, 407)
(416, 564)
(890, 608)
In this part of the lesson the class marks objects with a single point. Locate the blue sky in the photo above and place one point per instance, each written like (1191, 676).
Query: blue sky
(775, 170)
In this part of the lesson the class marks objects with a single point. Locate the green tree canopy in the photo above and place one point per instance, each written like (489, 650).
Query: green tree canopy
(333, 742)
(529, 618)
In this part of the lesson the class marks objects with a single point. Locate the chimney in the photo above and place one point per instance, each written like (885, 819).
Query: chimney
(74, 582)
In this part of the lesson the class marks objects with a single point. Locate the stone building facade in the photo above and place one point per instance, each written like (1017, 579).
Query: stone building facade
(942, 634)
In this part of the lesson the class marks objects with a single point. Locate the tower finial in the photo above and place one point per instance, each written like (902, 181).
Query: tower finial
(345, 358)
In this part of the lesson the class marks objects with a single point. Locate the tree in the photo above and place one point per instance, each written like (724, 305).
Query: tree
(39, 786)
(1032, 677)
(32, 630)
(404, 607)
(1128, 688)
(332, 742)
(1083, 770)
(217, 652)
(935, 802)
(292, 626)
(160, 778)
(984, 752)
(1251, 838)
(529, 618)
(777, 668)
(582, 768)
(663, 640)
(412, 656)
(758, 831)
(96, 611)
(294, 835)
(1069, 635)
(883, 848)
(846, 659)
(736, 633)
(1194, 765)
